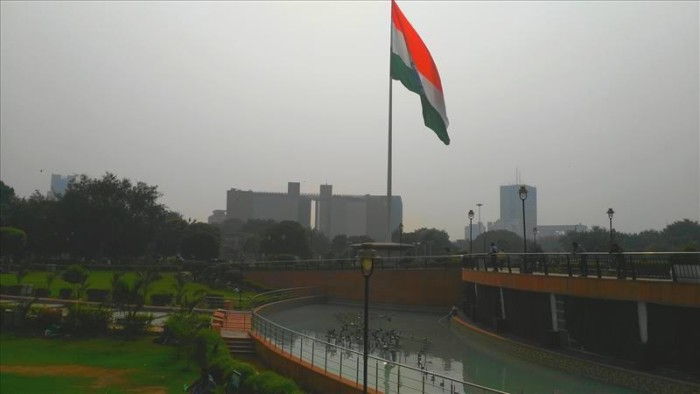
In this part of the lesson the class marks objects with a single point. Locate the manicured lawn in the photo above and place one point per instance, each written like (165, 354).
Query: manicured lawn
(39, 365)
(12, 383)
(102, 279)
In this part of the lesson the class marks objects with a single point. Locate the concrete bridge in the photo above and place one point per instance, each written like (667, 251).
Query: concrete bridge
(639, 308)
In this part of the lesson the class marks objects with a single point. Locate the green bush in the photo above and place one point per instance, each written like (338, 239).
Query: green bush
(183, 327)
(270, 383)
(75, 274)
(44, 317)
(42, 292)
(87, 321)
(97, 295)
(206, 349)
(12, 241)
(162, 299)
(65, 293)
(135, 324)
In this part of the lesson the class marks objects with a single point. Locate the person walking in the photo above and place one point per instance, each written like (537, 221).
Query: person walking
(493, 252)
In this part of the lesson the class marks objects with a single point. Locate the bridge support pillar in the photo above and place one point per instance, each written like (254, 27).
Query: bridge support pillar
(502, 323)
(553, 336)
(643, 322)
(645, 358)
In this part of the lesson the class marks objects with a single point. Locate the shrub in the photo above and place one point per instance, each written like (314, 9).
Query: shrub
(75, 274)
(42, 292)
(134, 324)
(85, 321)
(162, 299)
(14, 289)
(65, 293)
(270, 383)
(97, 295)
(44, 317)
(12, 241)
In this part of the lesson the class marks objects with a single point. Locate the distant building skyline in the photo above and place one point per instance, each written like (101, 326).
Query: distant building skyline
(330, 214)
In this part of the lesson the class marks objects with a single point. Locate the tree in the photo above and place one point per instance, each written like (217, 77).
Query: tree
(111, 217)
(432, 241)
(319, 243)
(130, 297)
(506, 241)
(340, 245)
(169, 234)
(286, 237)
(7, 200)
(200, 241)
(682, 234)
(76, 275)
(12, 241)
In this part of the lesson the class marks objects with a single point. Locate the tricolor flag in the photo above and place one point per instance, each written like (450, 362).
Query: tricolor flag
(412, 64)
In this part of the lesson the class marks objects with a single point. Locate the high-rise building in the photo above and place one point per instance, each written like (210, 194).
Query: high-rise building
(59, 184)
(333, 214)
(512, 210)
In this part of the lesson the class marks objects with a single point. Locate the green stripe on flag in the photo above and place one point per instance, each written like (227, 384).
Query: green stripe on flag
(432, 119)
(409, 78)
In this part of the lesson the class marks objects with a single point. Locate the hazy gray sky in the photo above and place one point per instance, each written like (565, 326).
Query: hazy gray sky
(595, 102)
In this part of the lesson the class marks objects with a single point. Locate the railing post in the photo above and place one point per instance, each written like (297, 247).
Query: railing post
(313, 348)
(545, 264)
(357, 371)
(398, 378)
(597, 266)
(301, 348)
(376, 374)
(422, 374)
(568, 264)
(633, 266)
(341, 364)
(325, 359)
(619, 266)
(673, 273)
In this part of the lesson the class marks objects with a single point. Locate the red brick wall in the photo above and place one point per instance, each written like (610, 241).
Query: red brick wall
(430, 287)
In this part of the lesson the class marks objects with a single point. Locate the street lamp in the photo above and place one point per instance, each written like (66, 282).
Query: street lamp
(522, 193)
(367, 266)
(470, 214)
(610, 216)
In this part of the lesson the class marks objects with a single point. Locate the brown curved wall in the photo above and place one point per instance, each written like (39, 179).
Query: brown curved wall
(660, 292)
(439, 287)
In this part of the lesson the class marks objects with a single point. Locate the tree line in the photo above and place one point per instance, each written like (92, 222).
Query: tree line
(108, 218)
(98, 219)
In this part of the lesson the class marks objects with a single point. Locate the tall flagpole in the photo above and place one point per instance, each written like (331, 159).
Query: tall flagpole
(388, 175)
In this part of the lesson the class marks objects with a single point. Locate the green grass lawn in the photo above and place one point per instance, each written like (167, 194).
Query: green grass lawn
(101, 280)
(93, 365)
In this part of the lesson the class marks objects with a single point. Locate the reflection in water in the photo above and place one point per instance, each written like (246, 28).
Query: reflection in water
(451, 352)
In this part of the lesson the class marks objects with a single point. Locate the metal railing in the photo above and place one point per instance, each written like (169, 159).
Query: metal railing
(383, 375)
(672, 266)
(675, 266)
(281, 294)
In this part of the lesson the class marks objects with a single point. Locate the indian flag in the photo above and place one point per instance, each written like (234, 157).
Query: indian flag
(412, 64)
